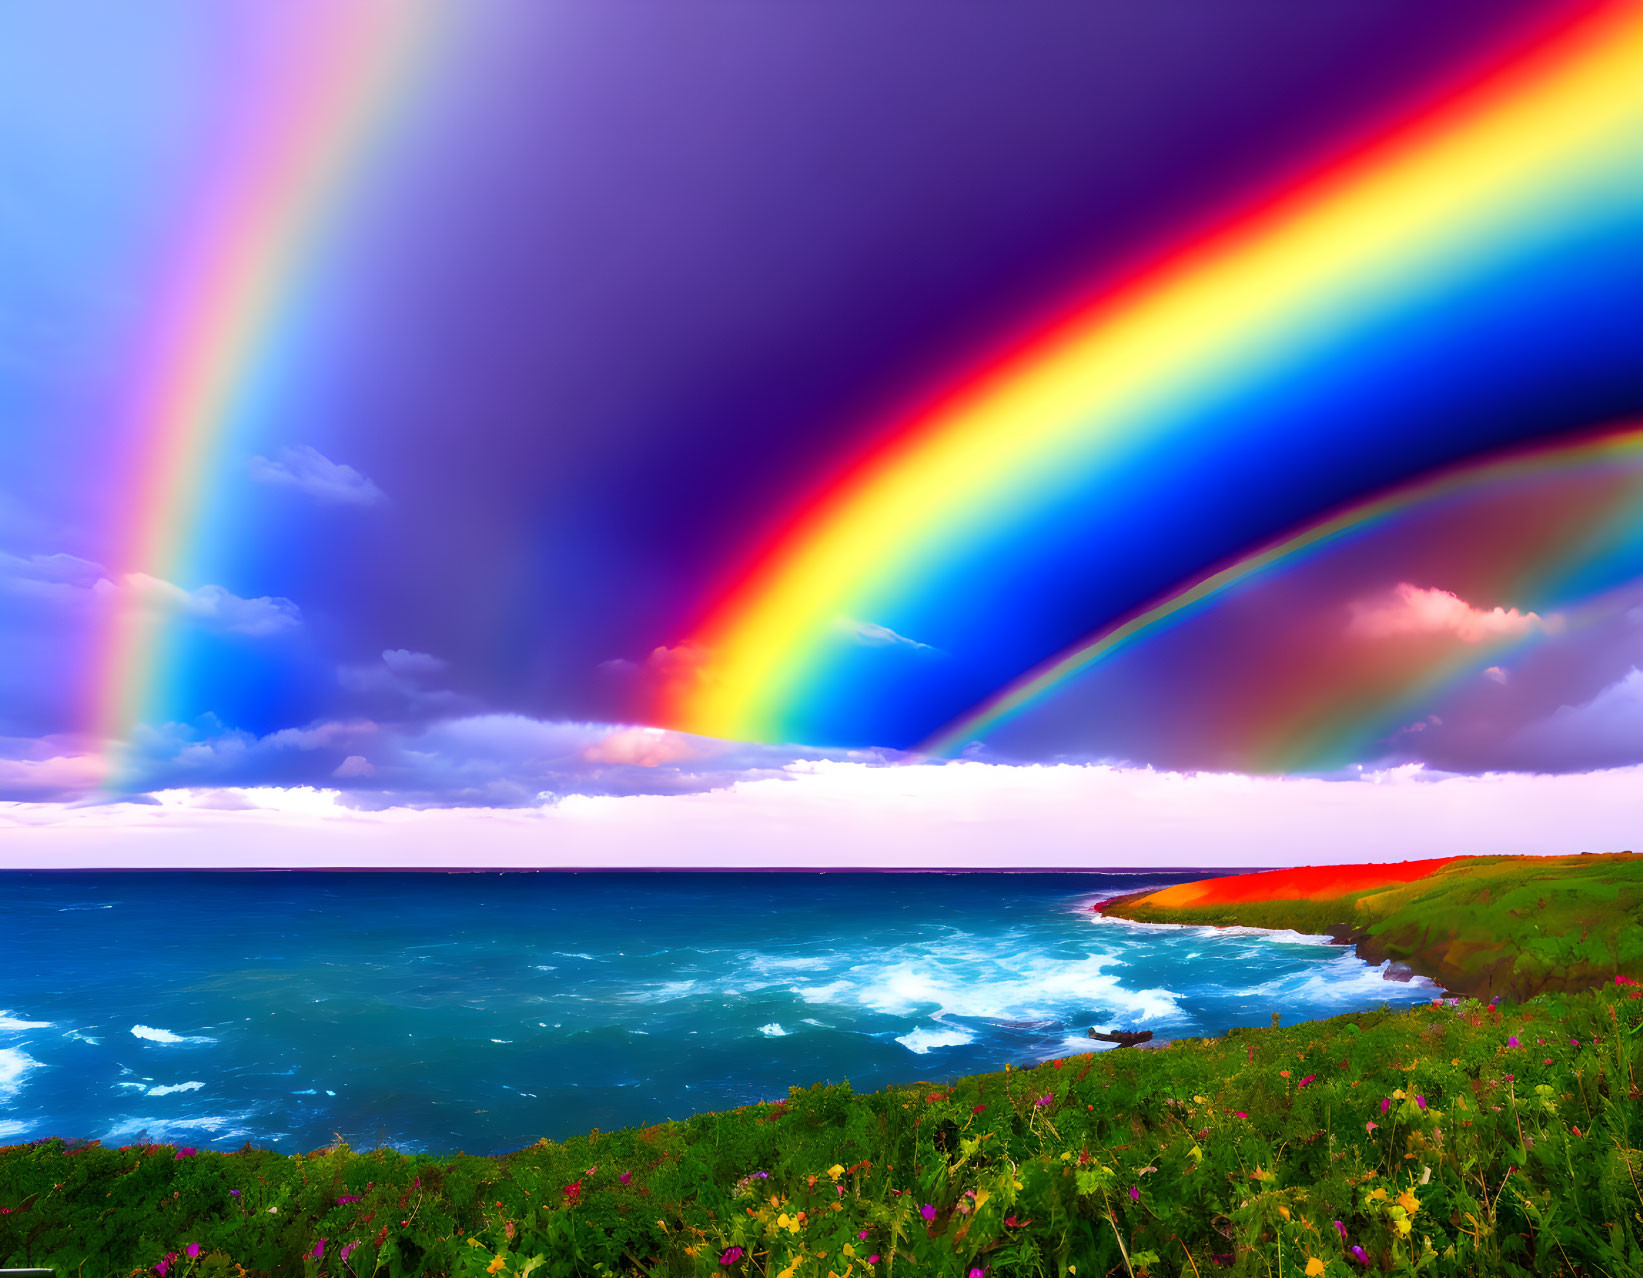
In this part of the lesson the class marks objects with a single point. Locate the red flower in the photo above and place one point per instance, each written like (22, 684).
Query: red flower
(573, 1192)
(976, 1109)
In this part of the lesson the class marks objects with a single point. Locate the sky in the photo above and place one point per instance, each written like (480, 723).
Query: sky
(628, 434)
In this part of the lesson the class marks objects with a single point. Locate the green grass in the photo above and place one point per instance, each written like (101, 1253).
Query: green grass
(1513, 926)
(1235, 1155)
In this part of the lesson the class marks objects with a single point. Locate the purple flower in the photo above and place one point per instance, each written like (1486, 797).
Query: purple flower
(234, 1192)
(347, 1250)
(1044, 1099)
(762, 1175)
(348, 1198)
(731, 1255)
(1135, 1194)
(1421, 1101)
(978, 1272)
(927, 1211)
(1360, 1255)
(193, 1250)
(1340, 1229)
(319, 1249)
(1386, 1104)
(626, 1178)
(861, 1237)
(1512, 1041)
(187, 1151)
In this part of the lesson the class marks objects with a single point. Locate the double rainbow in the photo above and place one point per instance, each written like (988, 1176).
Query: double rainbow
(1207, 405)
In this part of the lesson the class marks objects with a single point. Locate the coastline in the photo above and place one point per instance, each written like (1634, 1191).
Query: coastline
(1488, 926)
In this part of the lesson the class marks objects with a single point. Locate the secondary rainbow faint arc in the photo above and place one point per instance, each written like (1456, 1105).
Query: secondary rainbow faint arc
(237, 276)
(1499, 156)
(1600, 450)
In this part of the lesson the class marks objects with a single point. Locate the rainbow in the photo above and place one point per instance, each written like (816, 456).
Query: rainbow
(236, 273)
(1612, 453)
(1463, 283)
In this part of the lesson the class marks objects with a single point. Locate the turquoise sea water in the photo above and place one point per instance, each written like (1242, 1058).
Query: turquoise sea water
(482, 1011)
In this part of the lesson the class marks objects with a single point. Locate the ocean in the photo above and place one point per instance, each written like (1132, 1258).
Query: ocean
(480, 1012)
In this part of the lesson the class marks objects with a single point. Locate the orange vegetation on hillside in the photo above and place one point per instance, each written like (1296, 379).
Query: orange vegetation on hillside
(1305, 883)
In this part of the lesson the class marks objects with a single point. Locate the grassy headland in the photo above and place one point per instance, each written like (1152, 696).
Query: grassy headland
(1458, 1138)
(1513, 926)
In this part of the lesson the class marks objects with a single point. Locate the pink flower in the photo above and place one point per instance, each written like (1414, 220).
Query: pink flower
(347, 1250)
(1135, 1194)
(626, 1178)
(979, 1272)
(861, 1236)
(1360, 1255)
(927, 1211)
(731, 1255)
(193, 1250)
(187, 1151)
(1574, 1042)
(1340, 1229)
(319, 1249)
(1513, 1041)
(1044, 1100)
(1306, 1080)
(348, 1198)
(1240, 1114)
(1369, 1127)
(1421, 1101)
(873, 1259)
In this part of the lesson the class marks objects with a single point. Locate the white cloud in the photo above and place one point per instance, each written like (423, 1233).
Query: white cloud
(871, 635)
(355, 765)
(1408, 609)
(1605, 730)
(1497, 674)
(402, 661)
(308, 470)
(216, 607)
(647, 748)
(320, 736)
(836, 815)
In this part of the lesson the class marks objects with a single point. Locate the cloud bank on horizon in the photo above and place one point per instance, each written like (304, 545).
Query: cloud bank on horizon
(459, 408)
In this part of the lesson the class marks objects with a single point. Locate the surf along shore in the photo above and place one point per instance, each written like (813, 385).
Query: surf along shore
(1488, 926)
(1455, 1139)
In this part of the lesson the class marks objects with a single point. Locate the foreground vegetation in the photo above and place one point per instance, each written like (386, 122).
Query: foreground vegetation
(1458, 1138)
(1511, 926)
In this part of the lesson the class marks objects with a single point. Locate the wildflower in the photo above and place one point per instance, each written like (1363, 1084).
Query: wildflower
(1409, 1202)
(977, 1271)
(1360, 1255)
(498, 1263)
(234, 1193)
(347, 1198)
(1240, 1114)
(862, 1236)
(873, 1259)
(193, 1251)
(573, 1192)
(731, 1255)
(927, 1211)
(319, 1250)
(1340, 1229)
(836, 1170)
(1547, 1061)
(347, 1250)
(164, 1266)
(626, 1178)
(1135, 1194)
(1386, 1104)
(1421, 1101)
(1283, 1073)
(1314, 1267)
(1512, 1041)
(1574, 1042)
(1306, 1080)
(1369, 1127)
(1044, 1100)
(976, 1109)
(187, 1151)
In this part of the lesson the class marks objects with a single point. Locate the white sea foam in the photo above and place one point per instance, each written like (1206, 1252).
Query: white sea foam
(169, 1088)
(10, 1023)
(502, 1040)
(772, 1030)
(14, 1063)
(153, 1035)
(921, 1040)
(227, 1127)
(662, 992)
(1345, 980)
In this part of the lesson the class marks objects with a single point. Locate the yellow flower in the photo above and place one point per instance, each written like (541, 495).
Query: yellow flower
(782, 1221)
(1398, 1095)
(1314, 1267)
(835, 1171)
(848, 1250)
(1284, 1212)
(1377, 1194)
(982, 1195)
(1409, 1202)
(497, 1263)
(1402, 1225)
(1258, 1174)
